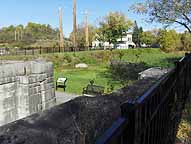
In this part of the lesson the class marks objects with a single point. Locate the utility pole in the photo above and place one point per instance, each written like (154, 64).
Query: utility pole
(74, 25)
(61, 29)
(86, 29)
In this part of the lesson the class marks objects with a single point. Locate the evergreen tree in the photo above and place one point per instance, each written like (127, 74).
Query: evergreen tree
(137, 32)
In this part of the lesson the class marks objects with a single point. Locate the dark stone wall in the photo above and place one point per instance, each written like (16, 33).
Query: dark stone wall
(80, 121)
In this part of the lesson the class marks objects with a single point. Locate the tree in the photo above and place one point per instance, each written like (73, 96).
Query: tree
(167, 11)
(7, 34)
(150, 38)
(80, 35)
(113, 27)
(169, 40)
(40, 31)
(137, 34)
(147, 38)
(31, 33)
(185, 41)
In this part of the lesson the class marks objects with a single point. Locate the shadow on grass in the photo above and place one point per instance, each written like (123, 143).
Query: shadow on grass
(173, 59)
(124, 72)
(167, 62)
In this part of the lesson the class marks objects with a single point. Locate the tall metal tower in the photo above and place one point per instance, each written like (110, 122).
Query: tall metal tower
(74, 25)
(61, 29)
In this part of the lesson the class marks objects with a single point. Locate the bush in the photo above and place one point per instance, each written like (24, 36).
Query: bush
(125, 71)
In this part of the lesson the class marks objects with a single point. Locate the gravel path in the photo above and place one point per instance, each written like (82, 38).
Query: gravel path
(62, 97)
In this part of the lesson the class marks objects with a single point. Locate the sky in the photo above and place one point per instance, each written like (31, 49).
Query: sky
(14, 12)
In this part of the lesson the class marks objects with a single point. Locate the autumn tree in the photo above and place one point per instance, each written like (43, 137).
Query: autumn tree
(23, 36)
(41, 31)
(147, 38)
(169, 40)
(80, 35)
(150, 38)
(113, 27)
(167, 11)
(185, 41)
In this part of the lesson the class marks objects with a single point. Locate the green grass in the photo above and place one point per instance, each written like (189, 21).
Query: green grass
(79, 78)
(98, 61)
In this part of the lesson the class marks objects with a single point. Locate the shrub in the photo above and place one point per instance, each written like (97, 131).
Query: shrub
(125, 71)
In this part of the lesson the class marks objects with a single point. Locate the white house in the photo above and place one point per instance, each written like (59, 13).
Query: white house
(123, 43)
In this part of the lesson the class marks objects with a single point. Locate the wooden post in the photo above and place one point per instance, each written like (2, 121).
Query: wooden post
(74, 25)
(86, 30)
(61, 29)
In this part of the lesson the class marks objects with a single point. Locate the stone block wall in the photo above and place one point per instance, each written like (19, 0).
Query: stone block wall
(25, 88)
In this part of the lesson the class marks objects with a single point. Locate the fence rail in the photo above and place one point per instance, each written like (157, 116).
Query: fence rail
(153, 118)
(47, 50)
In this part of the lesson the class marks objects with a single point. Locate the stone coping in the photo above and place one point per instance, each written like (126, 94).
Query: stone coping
(79, 120)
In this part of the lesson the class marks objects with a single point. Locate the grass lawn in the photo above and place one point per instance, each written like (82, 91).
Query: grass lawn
(79, 78)
(98, 61)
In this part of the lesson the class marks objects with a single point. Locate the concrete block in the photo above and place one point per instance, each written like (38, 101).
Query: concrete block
(8, 87)
(46, 86)
(48, 95)
(25, 88)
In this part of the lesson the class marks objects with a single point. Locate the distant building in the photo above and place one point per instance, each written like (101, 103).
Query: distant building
(125, 42)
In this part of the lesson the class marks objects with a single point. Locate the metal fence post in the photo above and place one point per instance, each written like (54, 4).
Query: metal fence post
(40, 50)
(59, 49)
(128, 111)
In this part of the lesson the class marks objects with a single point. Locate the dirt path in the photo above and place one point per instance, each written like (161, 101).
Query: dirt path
(62, 97)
